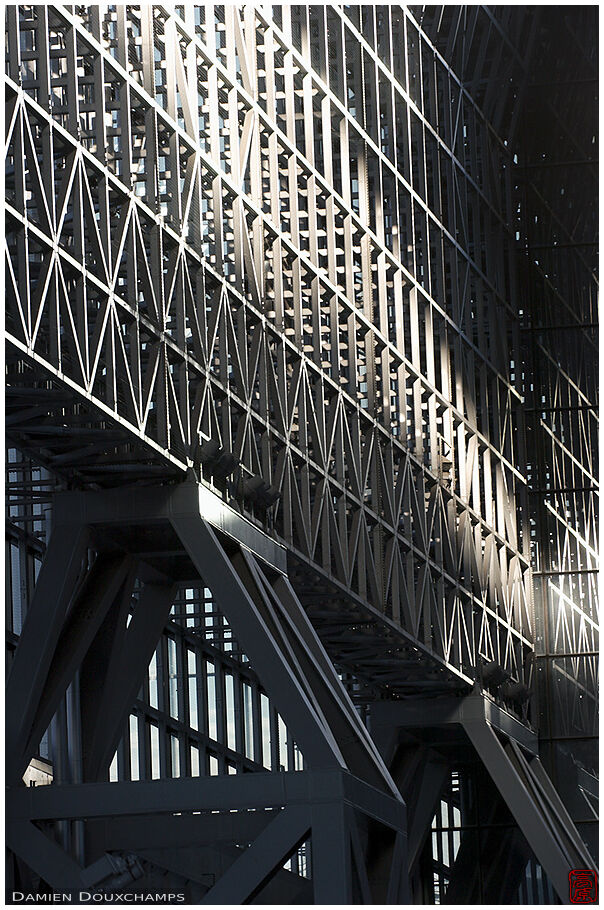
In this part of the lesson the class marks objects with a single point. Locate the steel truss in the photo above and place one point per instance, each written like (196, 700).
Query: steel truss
(310, 382)
(271, 501)
(560, 332)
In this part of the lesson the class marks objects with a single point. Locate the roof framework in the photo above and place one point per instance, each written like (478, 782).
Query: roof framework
(312, 262)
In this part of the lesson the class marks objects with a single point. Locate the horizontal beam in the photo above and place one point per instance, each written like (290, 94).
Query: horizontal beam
(140, 505)
(155, 831)
(423, 712)
(554, 572)
(202, 794)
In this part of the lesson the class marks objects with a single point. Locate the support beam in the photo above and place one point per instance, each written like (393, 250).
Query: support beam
(283, 887)
(152, 832)
(128, 664)
(531, 820)
(54, 590)
(362, 757)
(101, 663)
(331, 854)
(44, 856)
(398, 886)
(142, 817)
(514, 768)
(262, 858)
(242, 611)
(359, 858)
(536, 780)
(473, 882)
(420, 713)
(429, 787)
(101, 586)
(240, 791)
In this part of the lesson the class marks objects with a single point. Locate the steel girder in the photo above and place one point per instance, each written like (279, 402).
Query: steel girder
(343, 802)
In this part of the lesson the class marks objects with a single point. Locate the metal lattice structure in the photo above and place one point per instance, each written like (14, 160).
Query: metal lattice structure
(271, 285)
(561, 329)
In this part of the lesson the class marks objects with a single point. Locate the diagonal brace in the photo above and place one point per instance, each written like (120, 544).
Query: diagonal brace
(262, 858)
(54, 590)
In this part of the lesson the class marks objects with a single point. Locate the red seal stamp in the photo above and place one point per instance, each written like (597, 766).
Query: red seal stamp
(583, 886)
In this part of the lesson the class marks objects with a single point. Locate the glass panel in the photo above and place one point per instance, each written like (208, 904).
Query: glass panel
(298, 759)
(266, 730)
(134, 766)
(153, 697)
(175, 755)
(445, 845)
(211, 692)
(248, 721)
(283, 757)
(194, 761)
(173, 676)
(192, 681)
(155, 763)
(229, 688)
(191, 607)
